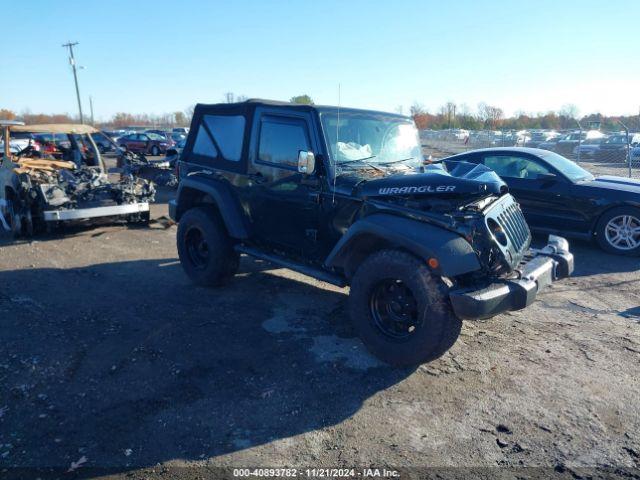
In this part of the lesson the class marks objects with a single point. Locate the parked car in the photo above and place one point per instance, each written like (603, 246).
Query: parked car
(588, 148)
(537, 137)
(614, 149)
(21, 140)
(420, 249)
(567, 143)
(176, 136)
(550, 144)
(147, 143)
(104, 142)
(560, 197)
(182, 130)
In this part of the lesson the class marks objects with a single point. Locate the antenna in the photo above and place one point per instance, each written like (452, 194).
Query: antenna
(335, 160)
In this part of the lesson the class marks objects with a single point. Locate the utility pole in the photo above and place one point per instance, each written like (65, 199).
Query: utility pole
(72, 61)
(93, 122)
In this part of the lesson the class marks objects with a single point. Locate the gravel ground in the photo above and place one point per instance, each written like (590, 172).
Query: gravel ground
(111, 359)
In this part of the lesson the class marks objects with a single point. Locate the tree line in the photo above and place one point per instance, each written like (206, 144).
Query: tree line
(450, 115)
(488, 117)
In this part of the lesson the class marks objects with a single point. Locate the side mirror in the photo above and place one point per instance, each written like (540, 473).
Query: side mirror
(306, 162)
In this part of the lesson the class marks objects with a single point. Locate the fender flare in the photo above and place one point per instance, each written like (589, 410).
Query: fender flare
(454, 254)
(228, 204)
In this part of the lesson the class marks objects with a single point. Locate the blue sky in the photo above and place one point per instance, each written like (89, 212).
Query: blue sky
(162, 56)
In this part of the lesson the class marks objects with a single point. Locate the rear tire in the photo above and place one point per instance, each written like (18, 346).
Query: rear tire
(205, 249)
(400, 309)
(618, 231)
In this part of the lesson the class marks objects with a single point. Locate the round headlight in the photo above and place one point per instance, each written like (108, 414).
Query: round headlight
(497, 232)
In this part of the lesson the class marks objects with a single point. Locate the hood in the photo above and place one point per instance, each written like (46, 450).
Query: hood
(610, 182)
(459, 178)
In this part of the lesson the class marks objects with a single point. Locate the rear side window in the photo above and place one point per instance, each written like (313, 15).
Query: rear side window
(220, 136)
(281, 139)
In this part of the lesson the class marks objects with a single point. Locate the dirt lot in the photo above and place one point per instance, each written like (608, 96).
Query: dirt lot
(110, 358)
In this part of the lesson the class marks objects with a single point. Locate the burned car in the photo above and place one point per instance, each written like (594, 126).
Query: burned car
(64, 181)
(343, 195)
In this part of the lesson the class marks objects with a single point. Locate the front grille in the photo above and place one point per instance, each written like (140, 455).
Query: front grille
(515, 227)
(509, 229)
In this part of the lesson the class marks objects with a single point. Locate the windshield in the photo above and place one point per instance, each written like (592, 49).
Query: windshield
(571, 170)
(372, 139)
(155, 136)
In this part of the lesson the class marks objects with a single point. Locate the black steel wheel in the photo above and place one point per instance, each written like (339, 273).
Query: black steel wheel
(401, 310)
(197, 247)
(205, 249)
(394, 309)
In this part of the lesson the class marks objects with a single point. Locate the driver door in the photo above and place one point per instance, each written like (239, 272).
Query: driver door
(285, 204)
(545, 196)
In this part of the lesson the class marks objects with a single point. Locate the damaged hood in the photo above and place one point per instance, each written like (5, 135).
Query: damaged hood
(461, 179)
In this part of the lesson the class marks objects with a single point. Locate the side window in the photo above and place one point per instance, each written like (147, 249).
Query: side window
(228, 132)
(204, 145)
(224, 137)
(281, 139)
(514, 167)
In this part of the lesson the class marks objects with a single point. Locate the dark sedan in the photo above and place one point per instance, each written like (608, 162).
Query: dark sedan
(613, 149)
(559, 196)
(147, 143)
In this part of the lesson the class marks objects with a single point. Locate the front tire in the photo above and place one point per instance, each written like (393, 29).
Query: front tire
(618, 231)
(400, 309)
(155, 151)
(205, 249)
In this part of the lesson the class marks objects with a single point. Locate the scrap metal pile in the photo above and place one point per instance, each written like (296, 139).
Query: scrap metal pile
(64, 185)
(159, 172)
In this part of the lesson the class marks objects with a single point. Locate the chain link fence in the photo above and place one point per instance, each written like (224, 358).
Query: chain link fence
(601, 152)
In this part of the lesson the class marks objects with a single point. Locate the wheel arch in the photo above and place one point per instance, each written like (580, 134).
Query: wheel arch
(193, 192)
(607, 209)
(454, 254)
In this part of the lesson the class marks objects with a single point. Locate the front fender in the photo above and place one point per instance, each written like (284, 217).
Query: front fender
(454, 254)
(228, 205)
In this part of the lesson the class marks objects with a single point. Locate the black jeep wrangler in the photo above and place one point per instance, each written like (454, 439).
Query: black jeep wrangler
(344, 196)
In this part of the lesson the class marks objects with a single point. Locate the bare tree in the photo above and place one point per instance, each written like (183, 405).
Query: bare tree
(417, 109)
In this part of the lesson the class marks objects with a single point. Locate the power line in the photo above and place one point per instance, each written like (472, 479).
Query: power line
(72, 61)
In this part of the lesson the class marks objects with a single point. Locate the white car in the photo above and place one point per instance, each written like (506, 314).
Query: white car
(20, 141)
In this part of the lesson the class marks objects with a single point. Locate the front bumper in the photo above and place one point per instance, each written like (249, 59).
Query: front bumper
(539, 269)
(95, 212)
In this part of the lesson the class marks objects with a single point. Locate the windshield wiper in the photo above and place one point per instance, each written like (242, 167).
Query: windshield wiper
(357, 160)
(396, 161)
(362, 160)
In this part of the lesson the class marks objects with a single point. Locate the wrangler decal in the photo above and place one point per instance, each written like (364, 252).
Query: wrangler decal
(422, 189)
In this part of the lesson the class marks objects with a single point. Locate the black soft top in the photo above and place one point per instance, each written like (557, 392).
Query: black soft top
(247, 110)
(250, 105)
